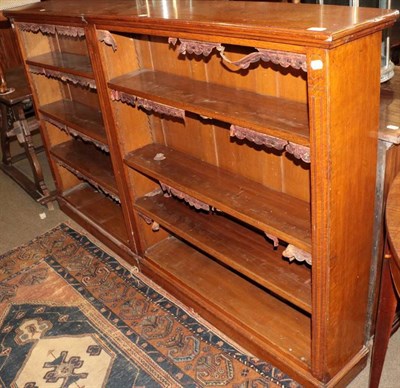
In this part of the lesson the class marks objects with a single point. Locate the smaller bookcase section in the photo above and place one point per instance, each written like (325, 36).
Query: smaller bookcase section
(60, 69)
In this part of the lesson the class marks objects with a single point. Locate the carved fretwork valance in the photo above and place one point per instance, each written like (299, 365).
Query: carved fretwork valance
(75, 79)
(52, 29)
(75, 133)
(196, 203)
(89, 180)
(297, 150)
(294, 253)
(148, 105)
(281, 58)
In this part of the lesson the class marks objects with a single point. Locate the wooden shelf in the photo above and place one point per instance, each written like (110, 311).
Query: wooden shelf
(279, 214)
(240, 302)
(100, 209)
(89, 163)
(270, 115)
(233, 244)
(79, 117)
(75, 64)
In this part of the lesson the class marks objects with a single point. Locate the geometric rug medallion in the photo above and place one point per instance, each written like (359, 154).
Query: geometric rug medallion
(73, 316)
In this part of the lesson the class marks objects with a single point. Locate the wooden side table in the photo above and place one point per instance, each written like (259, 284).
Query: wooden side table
(16, 123)
(390, 284)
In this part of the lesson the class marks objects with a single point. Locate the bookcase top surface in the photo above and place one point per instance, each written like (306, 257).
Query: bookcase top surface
(303, 24)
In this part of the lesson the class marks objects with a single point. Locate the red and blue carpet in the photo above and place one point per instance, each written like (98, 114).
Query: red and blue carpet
(73, 316)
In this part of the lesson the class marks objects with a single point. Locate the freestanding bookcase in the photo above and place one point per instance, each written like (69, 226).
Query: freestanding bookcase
(230, 148)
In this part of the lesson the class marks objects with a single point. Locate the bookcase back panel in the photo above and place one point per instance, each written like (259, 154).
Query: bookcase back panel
(55, 135)
(84, 95)
(72, 44)
(210, 141)
(66, 180)
(50, 90)
(35, 44)
(134, 126)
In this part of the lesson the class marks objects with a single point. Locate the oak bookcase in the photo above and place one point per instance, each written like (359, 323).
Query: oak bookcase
(230, 147)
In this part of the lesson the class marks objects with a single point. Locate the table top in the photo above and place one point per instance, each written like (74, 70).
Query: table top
(16, 79)
(393, 219)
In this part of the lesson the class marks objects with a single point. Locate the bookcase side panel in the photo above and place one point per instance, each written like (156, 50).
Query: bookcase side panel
(344, 149)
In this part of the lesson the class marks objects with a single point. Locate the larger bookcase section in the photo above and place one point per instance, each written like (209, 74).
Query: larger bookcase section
(217, 149)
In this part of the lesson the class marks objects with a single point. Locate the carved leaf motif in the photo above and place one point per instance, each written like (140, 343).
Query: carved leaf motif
(196, 203)
(257, 137)
(299, 151)
(106, 37)
(294, 253)
(83, 81)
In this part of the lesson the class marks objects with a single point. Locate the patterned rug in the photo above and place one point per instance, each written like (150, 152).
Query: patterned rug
(73, 316)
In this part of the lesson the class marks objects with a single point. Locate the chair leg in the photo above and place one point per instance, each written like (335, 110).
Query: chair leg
(4, 140)
(386, 312)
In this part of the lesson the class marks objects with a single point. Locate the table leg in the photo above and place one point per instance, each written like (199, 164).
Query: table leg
(26, 142)
(386, 312)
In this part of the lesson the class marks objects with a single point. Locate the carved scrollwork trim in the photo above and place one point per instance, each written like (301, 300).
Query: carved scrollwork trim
(73, 132)
(75, 79)
(274, 239)
(91, 181)
(281, 58)
(155, 226)
(195, 47)
(33, 27)
(160, 108)
(123, 97)
(299, 151)
(146, 219)
(52, 29)
(257, 137)
(107, 38)
(70, 31)
(147, 104)
(196, 203)
(294, 253)
(153, 193)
